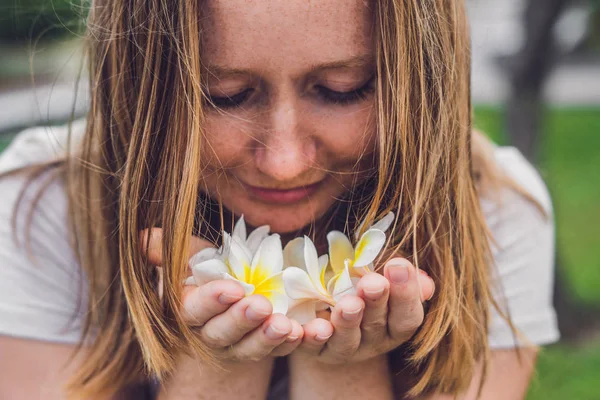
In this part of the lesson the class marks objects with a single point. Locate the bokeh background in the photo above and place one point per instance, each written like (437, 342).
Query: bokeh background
(536, 86)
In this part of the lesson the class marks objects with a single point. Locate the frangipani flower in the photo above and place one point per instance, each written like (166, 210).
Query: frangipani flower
(358, 259)
(259, 273)
(256, 237)
(240, 249)
(239, 232)
(304, 280)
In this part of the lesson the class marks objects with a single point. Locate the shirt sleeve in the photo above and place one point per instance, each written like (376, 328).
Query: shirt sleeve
(42, 295)
(523, 253)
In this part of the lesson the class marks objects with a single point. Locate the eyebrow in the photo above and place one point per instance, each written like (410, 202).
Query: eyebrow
(359, 61)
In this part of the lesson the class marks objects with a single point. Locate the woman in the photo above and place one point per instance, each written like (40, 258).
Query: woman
(308, 117)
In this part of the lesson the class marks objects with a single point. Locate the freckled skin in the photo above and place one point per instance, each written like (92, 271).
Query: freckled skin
(285, 135)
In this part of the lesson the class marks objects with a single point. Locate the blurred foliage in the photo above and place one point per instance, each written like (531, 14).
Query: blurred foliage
(567, 372)
(30, 20)
(594, 38)
(570, 165)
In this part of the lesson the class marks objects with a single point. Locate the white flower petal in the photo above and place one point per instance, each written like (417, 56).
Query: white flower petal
(298, 284)
(340, 249)
(239, 229)
(225, 249)
(280, 302)
(239, 259)
(302, 311)
(312, 262)
(368, 247)
(248, 288)
(323, 261)
(256, 237)
(343, 285)
(209, 270)
(203, 255)
(269, 256)
(384, 223)
(331, 283)
(189, 281)
(293, 254)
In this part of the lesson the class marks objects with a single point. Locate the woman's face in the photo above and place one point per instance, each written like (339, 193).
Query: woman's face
(292, 122)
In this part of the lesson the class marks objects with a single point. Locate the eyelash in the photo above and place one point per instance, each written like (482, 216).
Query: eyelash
(230, 101)
(344, 98)
(327, 95)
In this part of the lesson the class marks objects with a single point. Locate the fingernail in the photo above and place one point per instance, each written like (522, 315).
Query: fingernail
(322, 338)
(255, 315)
(423, 272)
(398, 274)
(291, 338)
(373, 294)
(227, 299)
(274, 333)
(351, 315)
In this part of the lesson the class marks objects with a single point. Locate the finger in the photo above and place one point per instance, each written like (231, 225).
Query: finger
(375, 290)
(427, 286)
(201, 303)
(151, 240)
(229, 327)
(346, 318)
(262, 341)
(405, 313)
(291, 342)
(316, 333)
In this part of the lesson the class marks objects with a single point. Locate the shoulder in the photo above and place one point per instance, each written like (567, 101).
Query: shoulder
(515, 167)
(522, 227)
(40, 279)
(39, 144)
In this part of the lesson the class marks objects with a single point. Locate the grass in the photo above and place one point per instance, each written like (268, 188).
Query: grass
(567, 373)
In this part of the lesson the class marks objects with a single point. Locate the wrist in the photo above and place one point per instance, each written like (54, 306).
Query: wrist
(195, 378)
(311, 378)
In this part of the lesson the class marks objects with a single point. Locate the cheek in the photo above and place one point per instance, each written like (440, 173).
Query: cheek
(349, 135)
(226, 140)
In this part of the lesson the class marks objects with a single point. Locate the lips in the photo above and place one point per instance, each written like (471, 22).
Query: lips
(283, 196)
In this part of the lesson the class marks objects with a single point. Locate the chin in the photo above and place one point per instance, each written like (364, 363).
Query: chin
(282, 219)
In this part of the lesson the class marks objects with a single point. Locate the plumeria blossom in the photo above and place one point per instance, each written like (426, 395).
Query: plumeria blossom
(304, 280)
(239, 232)
(255, 262)
(357, 260)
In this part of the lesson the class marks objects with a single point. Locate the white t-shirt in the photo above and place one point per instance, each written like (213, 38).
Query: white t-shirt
(44, 298)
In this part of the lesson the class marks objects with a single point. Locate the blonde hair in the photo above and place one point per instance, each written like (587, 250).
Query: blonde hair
(139, 167)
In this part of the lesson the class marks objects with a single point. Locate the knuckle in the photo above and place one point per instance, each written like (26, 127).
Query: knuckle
(344, 350)
(309, 348)
(375, 330)
(412, 322)
(214, 339)
(281, 351)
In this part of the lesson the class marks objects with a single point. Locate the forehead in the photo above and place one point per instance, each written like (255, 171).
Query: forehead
(281, 34)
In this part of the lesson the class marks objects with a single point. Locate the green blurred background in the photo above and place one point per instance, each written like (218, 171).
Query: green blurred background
(510, 65)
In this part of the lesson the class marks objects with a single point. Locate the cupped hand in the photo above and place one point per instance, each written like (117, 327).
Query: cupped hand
(385, 313)
(233, 326)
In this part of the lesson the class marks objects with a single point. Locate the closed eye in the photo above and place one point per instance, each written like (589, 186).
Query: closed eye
(235, 100)
(349, 97)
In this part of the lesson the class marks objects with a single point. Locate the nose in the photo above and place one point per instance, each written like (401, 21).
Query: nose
(286, 152)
